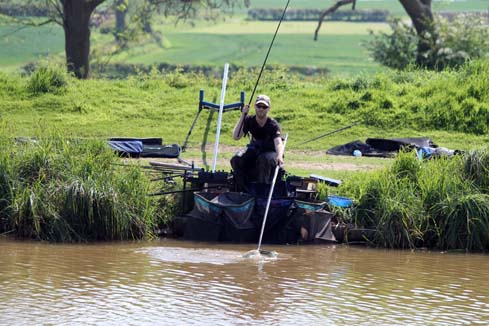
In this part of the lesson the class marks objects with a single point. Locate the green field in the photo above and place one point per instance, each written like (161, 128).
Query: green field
(20, 46)
(232, 40)
(243, 43)
(340, 52)
(392, 5)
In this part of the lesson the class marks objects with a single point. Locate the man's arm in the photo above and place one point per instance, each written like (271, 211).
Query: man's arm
(279, 148)
(238, 129)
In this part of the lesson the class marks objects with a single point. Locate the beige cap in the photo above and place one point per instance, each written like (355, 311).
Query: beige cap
(263, 99)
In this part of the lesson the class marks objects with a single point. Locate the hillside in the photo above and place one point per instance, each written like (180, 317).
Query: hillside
(451, 107)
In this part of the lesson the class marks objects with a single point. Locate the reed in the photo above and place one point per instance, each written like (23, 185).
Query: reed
(71, 190)
(476, 169)
(440, 203)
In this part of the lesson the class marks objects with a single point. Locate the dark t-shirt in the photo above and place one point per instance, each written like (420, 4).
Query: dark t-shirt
(262, 137)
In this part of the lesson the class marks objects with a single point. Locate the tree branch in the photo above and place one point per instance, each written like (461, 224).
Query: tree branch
(26, 24)
(330, 10)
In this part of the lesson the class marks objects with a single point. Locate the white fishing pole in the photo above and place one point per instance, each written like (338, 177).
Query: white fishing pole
(219, 118)
(272, 186)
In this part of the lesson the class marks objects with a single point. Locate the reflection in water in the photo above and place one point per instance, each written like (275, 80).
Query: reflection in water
(168, 282)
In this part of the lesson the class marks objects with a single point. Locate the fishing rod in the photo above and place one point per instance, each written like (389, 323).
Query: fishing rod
(268, 52)
(266, 58)
(330, 133)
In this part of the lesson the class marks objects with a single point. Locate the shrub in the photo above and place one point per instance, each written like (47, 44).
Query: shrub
(453, 44)
(396, 50)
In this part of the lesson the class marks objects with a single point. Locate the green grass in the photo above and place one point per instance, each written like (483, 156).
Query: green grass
(442, 203)
(388, 104)
(340, 54)
(28, 44)
(67, 190)
(410, 203)
(243, 43)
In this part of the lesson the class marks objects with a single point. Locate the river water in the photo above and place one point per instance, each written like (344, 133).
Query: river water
(168, 282)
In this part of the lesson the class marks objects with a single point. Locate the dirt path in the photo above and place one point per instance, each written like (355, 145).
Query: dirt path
(316, 159)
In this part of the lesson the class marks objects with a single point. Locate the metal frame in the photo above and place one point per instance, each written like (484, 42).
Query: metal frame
(203, 105)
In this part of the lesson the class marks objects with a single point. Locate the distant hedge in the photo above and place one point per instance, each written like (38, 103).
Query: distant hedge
(23, 10)
(452, 15)
(373, 15)
(122, 70)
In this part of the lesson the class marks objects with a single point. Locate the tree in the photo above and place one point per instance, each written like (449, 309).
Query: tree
(74, 16)
(421, 15)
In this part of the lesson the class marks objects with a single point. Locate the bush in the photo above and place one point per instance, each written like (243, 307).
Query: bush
(396, 50)
(48, 79)
(456, 42)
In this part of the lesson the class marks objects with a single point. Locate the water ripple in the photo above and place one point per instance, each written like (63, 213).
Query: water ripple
(172, 282)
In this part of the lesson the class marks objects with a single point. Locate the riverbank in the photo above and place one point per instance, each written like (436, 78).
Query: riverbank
(43, 181)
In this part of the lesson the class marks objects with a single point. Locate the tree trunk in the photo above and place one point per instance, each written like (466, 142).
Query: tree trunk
(76, 19)
(120, 19)
(422, 17)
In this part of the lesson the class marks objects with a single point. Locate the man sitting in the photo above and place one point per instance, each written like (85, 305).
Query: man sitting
(258, 161)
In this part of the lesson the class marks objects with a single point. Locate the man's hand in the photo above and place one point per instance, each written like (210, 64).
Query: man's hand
(246, 109)
(280, 161)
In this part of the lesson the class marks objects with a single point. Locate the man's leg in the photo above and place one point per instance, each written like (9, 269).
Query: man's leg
(266, 163)
(241, 164)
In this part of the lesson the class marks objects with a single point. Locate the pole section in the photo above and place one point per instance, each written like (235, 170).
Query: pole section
(219, 118)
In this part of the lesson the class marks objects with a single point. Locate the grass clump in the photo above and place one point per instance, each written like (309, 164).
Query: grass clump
(48, 79)
(71, 190)
(441, 203)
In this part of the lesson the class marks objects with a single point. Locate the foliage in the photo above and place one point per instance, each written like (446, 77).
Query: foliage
(395, 50)
(434, 204)
(58, 189)
(454, 43)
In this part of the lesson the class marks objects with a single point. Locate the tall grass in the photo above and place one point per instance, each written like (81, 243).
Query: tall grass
(440, 203)
(48, 79)
(71, 190)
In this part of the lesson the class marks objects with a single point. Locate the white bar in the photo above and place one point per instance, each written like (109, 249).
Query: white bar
(219, 118)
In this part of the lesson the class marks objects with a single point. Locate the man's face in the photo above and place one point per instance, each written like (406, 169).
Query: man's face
(261, 110)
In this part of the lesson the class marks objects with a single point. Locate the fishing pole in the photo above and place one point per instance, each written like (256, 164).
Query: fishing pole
(259, 251)
(330, 133)
(266, 58)
(268, 52)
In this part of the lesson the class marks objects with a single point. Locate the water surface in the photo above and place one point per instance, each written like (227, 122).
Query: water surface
(173, 282)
